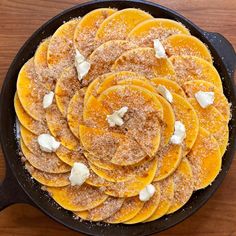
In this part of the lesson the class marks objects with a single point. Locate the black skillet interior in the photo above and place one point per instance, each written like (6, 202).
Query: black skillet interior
(11, 190)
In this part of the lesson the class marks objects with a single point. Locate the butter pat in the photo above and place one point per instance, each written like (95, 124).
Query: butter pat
(47, 99)
(48, 143)
(179, 133)
(79, 173)
(165, 93)
(116, 118)
(205, 99)
(159, 49)
(82, 66)
(79, 57)
(146, 193)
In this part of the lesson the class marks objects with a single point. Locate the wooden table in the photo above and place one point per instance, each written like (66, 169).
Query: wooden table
(20, 18)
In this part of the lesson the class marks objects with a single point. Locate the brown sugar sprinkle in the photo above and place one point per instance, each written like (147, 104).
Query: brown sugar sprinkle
(180, 50)
(128, 152)
(58, 126)
(132, 186)
(48, 163)
(96, 180)
(85, 42)
(164, 188)
(130, 172)
(146, 40)
(61, 179)
(63, 92)
(104, 56)
(139, 61)
(142, 114)
(84, 38)
(198, 153)
(183, 187)
(106, 209)
(211, 120)
(46, 75)
(43, 161)
(36, 127)
(186, 70)
(162, 151)
(36, 90)
(121, 95)
(143, 61)
(137, 124)
(75, 111)
(130, 206)
(102, 144)
(119, 33)
(220, 101)
(83, 195)
(69, 156)
(61, 52)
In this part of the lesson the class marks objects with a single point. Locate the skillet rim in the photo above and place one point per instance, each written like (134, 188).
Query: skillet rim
(17, 58)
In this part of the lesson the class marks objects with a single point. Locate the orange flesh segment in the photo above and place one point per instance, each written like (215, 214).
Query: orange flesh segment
(183, 182)
(34, 126)
(59, 128)
(77, 198)
(182, 44)
(171, 85)
(41, 65)
(85, 31)
(47, 162)
(115, 78)
(185, 113)
(48, 179)
(220, 101)
(205, 158)
(148, 208)
(129, 209)
(133, 186)
(147, 105)
(168, 121)
(168, 160)
(63, 92)
(104, 56)
(119, 24)
(145, 32)
(212, 120)
(31, 91)
(167, 194)
(103, 211)
(61, 49)
(195, 68)
(75, 112)
(145, 63)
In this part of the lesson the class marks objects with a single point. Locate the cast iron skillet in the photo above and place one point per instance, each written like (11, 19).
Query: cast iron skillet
(18, 187)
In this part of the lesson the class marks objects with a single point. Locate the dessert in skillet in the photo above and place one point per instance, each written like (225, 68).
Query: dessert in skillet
(122, 116)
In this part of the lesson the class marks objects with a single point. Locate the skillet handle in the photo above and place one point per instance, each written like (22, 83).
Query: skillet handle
(11, 192)
(224, 49)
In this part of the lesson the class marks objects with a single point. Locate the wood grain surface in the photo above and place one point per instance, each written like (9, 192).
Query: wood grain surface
(20, 18)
